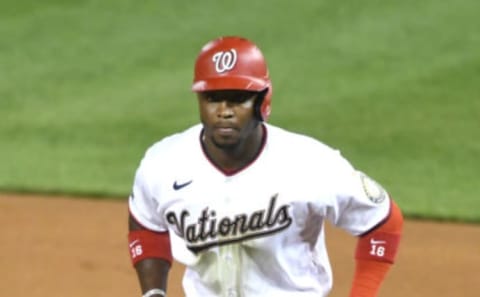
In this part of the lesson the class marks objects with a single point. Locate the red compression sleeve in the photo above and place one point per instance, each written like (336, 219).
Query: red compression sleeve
(376, 252)
(149, 244)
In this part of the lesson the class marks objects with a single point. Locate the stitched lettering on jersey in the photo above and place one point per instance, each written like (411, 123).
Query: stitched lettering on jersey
(211, 231)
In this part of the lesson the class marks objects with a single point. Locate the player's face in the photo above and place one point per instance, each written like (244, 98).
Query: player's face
(228, 116)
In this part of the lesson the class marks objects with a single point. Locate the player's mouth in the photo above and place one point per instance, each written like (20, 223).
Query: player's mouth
(225, 130)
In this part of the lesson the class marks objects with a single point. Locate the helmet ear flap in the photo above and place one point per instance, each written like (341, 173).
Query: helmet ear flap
(263, 104)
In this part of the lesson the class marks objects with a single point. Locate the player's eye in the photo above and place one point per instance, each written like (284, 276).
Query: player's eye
(211, 97)
(241, 97)
(235, 97)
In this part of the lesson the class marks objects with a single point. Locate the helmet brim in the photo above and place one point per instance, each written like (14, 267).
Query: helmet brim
(245, 83)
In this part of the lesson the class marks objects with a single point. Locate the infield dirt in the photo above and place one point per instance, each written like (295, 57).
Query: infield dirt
(57, 246)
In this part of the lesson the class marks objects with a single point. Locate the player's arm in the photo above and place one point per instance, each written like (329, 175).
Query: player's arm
(151, 256)
(375, 254)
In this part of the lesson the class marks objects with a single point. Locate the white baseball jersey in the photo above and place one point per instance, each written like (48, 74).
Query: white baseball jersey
(258, 231)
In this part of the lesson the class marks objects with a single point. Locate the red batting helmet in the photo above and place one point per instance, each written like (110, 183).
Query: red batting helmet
(233, 63)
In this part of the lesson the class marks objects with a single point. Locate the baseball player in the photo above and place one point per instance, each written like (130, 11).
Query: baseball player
(243, 204)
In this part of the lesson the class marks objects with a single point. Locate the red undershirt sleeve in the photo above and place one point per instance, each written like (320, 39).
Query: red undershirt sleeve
(375, 253)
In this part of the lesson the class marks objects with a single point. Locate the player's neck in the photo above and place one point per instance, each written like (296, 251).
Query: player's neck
(236, 158)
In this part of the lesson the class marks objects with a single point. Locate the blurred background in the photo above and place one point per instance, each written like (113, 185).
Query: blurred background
(86, 86)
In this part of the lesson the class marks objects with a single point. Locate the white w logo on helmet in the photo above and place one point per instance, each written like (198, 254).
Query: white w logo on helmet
(225, 61)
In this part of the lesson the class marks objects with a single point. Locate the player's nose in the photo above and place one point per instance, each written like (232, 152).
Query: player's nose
(224, 109)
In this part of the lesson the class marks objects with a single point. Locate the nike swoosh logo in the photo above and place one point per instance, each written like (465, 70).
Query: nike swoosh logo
(133, 243)
(177, 186)
(373, 241)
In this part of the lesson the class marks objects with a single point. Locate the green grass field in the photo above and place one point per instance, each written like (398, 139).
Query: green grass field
(87, 86)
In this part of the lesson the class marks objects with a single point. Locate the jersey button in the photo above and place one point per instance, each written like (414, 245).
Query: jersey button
(228, 257)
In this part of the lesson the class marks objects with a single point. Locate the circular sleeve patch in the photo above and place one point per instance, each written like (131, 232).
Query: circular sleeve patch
(372, 189)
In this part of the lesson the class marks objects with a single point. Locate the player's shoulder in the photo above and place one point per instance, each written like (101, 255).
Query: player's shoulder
(295, 141)
(174, 144)
(308, 151)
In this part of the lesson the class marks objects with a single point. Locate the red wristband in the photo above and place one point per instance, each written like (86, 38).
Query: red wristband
(378, 246)
(145, 244)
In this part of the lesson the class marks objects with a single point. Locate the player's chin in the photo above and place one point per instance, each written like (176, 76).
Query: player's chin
(225, 142)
